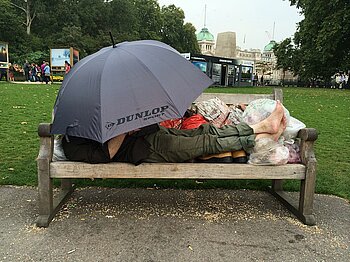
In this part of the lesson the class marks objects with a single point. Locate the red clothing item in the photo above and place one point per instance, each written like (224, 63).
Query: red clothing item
(67, 67)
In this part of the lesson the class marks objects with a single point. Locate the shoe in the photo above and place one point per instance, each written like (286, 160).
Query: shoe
(216, 158)
(239, 157)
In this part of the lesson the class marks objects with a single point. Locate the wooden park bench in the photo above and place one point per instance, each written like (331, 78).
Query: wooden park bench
(66, 171)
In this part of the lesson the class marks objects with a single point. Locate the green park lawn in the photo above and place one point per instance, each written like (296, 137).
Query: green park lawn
(24, 106)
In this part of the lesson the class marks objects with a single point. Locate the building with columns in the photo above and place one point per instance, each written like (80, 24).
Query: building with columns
(264, 62)
(206, 42)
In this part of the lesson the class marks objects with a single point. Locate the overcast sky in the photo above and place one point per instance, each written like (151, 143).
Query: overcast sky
(252, 20)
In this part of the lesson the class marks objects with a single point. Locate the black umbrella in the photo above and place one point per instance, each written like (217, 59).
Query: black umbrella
(125, 87)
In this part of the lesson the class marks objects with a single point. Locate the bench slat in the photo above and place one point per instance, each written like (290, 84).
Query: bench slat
(67, 169)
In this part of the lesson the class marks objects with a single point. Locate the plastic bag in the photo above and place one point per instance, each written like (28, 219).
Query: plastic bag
(268, 152)
(58, 153)
(294, 152)
(260, 109)
(215, 111)
(292, 129)
(235, 114)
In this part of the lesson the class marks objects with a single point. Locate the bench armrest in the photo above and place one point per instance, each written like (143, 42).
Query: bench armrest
(308, 134)
(308, 137)
(46, 142)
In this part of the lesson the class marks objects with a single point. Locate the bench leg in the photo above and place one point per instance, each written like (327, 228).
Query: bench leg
(304, 210)
(277, 184)
(48, 205)
(307, 194)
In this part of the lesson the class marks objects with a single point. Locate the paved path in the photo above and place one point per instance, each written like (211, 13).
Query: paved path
(100, 224)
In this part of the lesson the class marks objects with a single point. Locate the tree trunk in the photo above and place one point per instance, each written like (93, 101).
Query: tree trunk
(29, 20)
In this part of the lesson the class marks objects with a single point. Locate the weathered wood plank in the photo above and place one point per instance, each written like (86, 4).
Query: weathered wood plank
(67, 169)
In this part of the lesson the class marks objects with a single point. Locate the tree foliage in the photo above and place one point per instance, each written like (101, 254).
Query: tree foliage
(322, 41)
(32, 27)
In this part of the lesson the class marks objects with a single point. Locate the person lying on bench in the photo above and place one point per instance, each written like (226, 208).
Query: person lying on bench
(159, 144)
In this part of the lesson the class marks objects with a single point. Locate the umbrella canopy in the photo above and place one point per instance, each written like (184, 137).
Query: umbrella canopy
(125, 87)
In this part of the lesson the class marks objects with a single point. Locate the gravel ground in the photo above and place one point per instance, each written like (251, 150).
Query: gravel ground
(99, 224)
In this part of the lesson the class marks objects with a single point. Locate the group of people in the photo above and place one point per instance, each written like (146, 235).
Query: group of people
(35, 73)
(256, 81)
(32, 72)
(340, 80)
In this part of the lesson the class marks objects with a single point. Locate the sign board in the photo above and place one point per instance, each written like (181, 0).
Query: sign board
(246, 62)
(58, 56)
(4, 55)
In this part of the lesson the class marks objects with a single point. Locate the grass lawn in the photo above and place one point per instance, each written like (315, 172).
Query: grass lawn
(24, 106)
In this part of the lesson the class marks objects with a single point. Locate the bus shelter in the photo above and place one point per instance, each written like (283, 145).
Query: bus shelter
(224, 71)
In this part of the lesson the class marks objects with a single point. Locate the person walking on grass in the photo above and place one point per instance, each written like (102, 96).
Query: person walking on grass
(42, 69)
(47, 73)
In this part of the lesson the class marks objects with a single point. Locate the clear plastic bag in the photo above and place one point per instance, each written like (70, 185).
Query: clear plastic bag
(260, 109)
(268, 152)
(294, 152)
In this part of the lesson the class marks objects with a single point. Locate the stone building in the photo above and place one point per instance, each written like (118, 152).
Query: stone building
(263, 62)
(226, 45)
(206, 42)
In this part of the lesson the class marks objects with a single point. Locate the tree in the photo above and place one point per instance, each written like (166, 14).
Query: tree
(86, 24)
(175, 33)
(122, 19)
(149, 19)
(284, 52)
(189, 39)
(28, 7)
(322, 41)
(8, 22)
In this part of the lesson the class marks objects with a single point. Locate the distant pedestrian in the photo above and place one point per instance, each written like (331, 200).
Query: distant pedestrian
(67, 66)
(346, 82)
(262, 80)
(11, 72)
(255, 79)
(342, 81)
(337, 80)
(33, 73)
(26, 69)
(42, 69)
(47, 73)
(333, 83)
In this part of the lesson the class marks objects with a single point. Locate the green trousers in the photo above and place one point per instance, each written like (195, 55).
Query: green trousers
(173, 145)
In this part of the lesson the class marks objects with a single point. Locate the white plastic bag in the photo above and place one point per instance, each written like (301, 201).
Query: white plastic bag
(268, 152)
(260, 109)
(58, 153)
(292, 129)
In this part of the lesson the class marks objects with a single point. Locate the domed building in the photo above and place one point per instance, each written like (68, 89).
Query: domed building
(269, 47)
(206, 42)
(268, 55)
